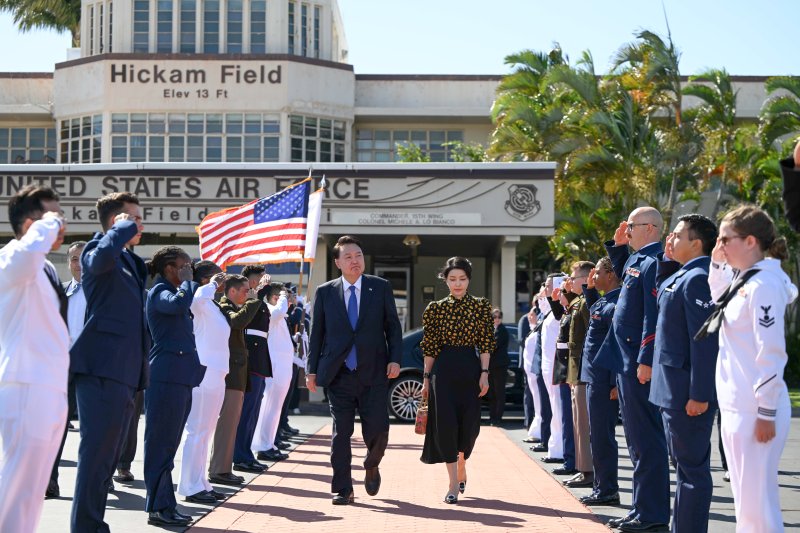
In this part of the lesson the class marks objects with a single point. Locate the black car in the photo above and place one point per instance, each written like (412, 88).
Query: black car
(405, 391)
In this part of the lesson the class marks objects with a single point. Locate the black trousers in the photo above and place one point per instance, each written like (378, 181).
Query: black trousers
(497, 393)
(345, 396)
(547, 411)
(130, 440)
(168, 406)
(104, 409)
(603, 413)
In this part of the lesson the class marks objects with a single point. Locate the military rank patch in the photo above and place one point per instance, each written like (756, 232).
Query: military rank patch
(766, 321)
(633, 272)
(704, 305)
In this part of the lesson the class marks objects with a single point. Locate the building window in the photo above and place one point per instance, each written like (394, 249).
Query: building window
(304, 30)
(164, 26)
(211, 26)
(188, 26)
(291, 26)
(91, 29)
(235, 21)
(27, 145)
(194, 137)
(81, 139)
(316, 31)
(381, 145)
(141, 25)
(110, 27)
(100, 27)
(315, 139)
(258, 26)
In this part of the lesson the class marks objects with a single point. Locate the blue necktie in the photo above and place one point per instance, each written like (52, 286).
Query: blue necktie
(352, 314)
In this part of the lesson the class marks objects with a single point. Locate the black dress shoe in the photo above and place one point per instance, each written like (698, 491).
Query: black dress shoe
(271, 455)
(372, 481)
(561, 471)
(551, 460)
(290, 430)
(217, 495)
(617, 522)
(166, 518)
(343, 497)
(179, 514)
(638, 525)
(281, 445)
(595, 499)
(225, 479)
(123, 476)
(580, 480)
(531, 440)
(201, 497)
(539, 448)
(249, 467)
(52, 490)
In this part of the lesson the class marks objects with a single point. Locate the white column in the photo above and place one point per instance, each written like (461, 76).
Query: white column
(508, 277)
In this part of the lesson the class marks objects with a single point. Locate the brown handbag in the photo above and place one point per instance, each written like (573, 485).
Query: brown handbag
(421, 422)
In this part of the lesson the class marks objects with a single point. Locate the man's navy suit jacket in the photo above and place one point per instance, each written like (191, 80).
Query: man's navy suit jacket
(377, 336)
(114, 342)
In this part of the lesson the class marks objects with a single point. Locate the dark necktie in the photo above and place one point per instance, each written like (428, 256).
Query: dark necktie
(714, 322)
(352, 315)
(52, 277)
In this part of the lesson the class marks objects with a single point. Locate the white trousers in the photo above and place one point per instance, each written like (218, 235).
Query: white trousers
(32, 420)
(207, 401)
(753, 467)
(274, 394)
(555, 445)
(535, 430)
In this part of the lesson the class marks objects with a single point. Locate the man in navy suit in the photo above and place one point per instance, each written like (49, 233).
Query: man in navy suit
(354, 350)
(683, 368)
(108, 360)
(634, 331)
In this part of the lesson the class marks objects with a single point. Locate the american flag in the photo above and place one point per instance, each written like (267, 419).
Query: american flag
(267, 230)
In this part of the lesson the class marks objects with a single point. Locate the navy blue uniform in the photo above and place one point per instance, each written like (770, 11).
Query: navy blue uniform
(599, 382)
(634, 332)
(559, 379)
(174, 370)
(108, 362)
(683, 369)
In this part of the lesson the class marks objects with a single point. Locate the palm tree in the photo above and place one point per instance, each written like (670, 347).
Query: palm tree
(59, 15)
(780, 114)
(715, 119)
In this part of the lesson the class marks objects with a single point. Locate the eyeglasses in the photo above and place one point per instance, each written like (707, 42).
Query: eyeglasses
(725, 240)
(497, 317)
(632, 225)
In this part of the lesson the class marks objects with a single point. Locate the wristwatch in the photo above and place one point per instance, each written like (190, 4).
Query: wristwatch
(426, 375)
(484, 370)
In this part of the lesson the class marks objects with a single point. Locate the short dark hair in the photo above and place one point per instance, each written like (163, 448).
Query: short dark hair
(604, 263)
(205, 269)
(164, 256)
(234, 281)
(460, 263)
(276, 287)
(112, 205)
(343, 240)
(703, 228)
(583, 267)
(252, 270)
(76, 244)
(27, 203)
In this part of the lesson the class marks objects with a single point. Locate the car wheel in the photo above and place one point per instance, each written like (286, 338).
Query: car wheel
(404, 397)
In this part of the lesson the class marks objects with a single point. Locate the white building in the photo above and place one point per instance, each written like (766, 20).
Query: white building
(267, 81)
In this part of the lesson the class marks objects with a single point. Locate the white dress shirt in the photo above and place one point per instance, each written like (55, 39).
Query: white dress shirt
(76, 310)
(211, 330)
(346, 288)
(34, 340)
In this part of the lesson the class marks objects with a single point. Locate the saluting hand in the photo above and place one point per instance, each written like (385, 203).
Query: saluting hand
(590, 279)
(621, 234)
(669, 247)
(717, 254)
(186, 273)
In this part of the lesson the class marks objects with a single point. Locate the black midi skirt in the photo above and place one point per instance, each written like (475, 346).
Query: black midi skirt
(454, 407)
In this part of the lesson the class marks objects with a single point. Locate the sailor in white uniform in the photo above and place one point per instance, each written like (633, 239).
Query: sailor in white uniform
(34, 357)
(751, 391)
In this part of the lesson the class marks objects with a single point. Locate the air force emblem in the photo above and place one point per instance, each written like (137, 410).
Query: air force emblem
(522, 203)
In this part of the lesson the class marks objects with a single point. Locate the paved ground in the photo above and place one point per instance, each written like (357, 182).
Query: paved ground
(508, 489)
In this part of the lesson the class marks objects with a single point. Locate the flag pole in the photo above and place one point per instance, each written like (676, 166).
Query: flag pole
(303, 257)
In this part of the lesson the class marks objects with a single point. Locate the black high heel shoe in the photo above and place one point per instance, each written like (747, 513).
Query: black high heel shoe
(462, 486)
(451, 498)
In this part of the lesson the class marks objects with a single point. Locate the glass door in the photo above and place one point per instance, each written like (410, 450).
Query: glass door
(400, 278)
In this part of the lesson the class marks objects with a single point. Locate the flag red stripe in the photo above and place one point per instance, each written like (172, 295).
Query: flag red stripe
(235, 258)
(261, 246)
(236, 239)
(245, 216)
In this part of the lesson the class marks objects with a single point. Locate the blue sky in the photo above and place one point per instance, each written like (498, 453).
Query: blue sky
(746, 37)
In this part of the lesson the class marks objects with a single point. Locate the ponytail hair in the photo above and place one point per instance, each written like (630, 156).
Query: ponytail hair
(748, 219)
(164, 256)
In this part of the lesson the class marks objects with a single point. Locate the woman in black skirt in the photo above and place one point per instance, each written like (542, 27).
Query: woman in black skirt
(458, 336)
